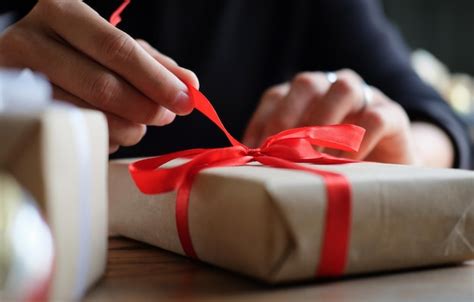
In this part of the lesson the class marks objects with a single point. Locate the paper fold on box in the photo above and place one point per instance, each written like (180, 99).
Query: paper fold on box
(267, 223)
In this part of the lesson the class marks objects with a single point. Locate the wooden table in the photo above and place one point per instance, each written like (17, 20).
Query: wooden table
(139, 272)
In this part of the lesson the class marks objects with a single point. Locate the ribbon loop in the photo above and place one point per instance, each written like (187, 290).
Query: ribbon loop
(341, 137)
(282, 150)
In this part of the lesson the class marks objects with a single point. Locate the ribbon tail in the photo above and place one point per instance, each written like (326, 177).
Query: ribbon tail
(150, 178)
(115, 19)
(203, 105)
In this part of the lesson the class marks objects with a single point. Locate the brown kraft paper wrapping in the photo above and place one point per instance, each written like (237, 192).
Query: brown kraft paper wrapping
(268, 223)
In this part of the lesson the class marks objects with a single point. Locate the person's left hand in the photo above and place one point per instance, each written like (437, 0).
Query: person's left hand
(310, 99)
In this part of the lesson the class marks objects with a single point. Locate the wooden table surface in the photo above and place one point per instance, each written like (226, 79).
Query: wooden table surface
(139, 272)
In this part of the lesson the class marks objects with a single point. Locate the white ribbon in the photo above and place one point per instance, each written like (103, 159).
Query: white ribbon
(22, 91)
(84, 162)
(27, 92)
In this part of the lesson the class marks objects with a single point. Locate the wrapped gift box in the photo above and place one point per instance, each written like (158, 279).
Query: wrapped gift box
(268, 223)
(59, 155)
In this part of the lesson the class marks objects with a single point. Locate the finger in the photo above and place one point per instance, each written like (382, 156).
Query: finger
(121, 132)
(85, 30)
(124, 133)
(381, 121)
(113, 148)
(306, 87)
(91, 82)
(182, 73)
(253, 133)
(375, 125)
(344, 97)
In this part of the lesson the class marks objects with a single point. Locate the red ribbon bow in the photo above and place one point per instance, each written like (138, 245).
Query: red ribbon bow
(283, 150)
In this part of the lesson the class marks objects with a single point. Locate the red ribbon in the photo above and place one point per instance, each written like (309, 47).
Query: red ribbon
(283, 150)
(115, 18)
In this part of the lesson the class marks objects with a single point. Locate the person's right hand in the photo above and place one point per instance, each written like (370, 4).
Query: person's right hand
(92, 64)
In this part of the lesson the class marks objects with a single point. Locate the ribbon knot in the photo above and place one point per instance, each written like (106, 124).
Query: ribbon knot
(254, 152)
(283, 150)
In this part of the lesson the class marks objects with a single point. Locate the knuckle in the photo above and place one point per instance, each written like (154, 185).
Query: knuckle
(304, 80)
(158, 116)
(279, 123)
(375, 119)
(124, 133)
(401, 114)
(273, 93)
(320, 76)
(346, 87)
(118, 48)
(151, 114)
(347, 95)
(103, 90)
(15, 45)
(270, 94)
(348, 74)
(188, 74)
(134, 136)
(397, 107)
(166, 119)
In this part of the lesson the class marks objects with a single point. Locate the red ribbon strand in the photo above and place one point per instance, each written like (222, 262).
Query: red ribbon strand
(115, 18)
(283, 150)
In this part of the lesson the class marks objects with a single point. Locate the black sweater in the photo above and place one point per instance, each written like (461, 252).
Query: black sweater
(238, 48)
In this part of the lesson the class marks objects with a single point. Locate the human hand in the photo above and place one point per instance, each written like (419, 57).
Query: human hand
(311, 99)
(92, 64)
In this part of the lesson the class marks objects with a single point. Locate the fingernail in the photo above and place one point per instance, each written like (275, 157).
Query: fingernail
(182, 104)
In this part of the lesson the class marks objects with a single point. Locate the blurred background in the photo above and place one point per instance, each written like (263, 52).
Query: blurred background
(441, 35)
(445, 28)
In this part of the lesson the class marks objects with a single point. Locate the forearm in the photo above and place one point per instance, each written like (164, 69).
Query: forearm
(433, 145)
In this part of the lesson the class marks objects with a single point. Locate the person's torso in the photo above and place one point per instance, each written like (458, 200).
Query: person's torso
(237, 49)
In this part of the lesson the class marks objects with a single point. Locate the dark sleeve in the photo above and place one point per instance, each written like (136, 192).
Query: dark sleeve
(18, 7)
(365, 41)
(22, 7)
